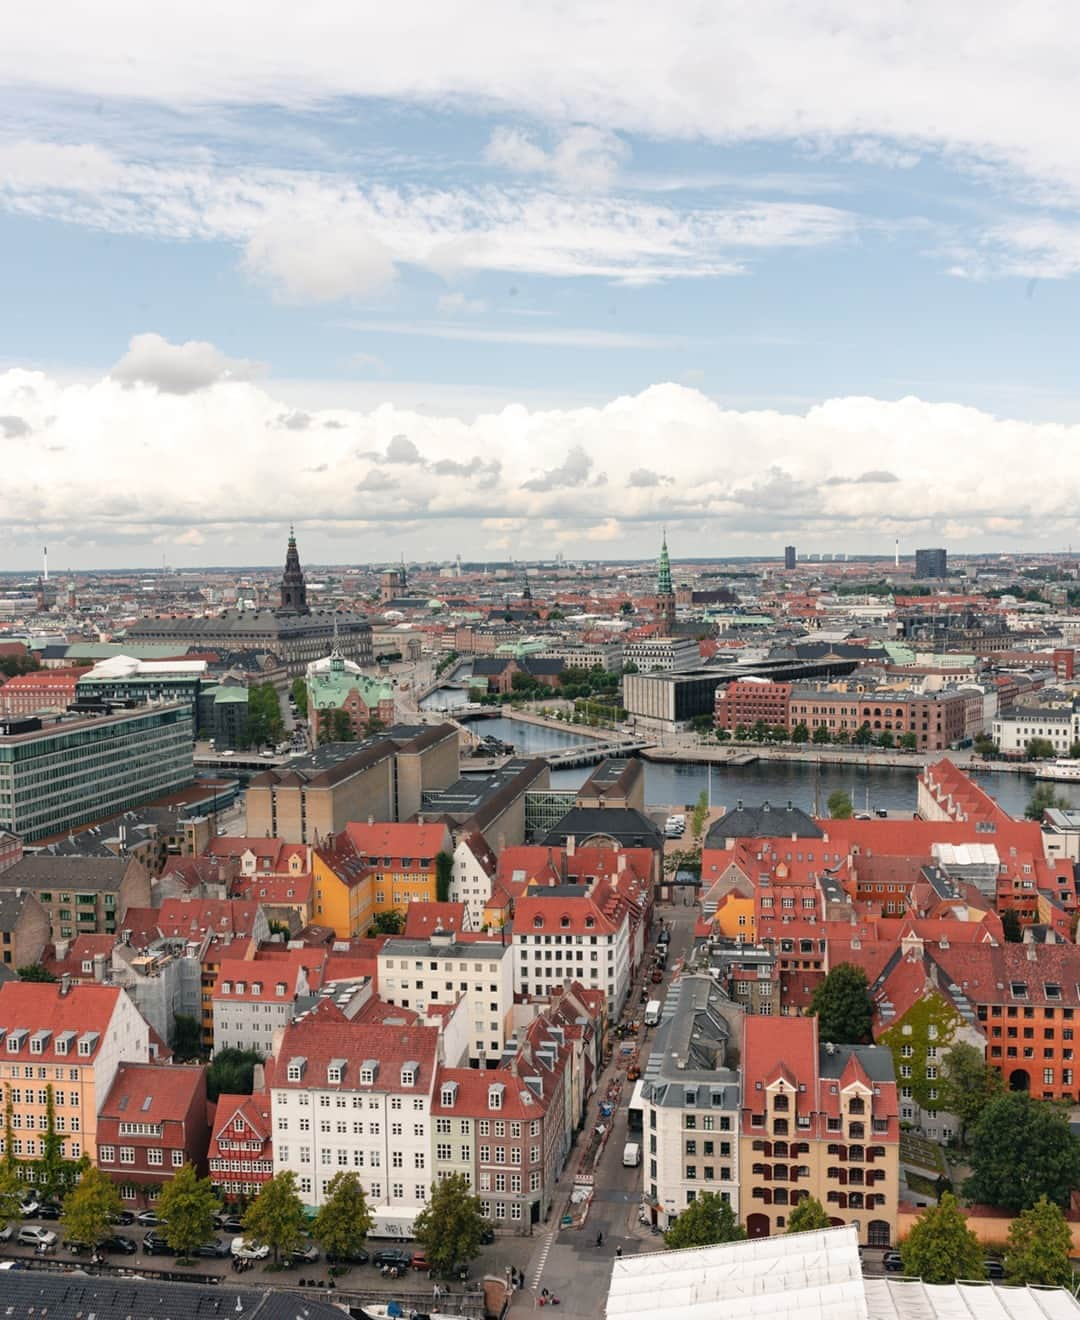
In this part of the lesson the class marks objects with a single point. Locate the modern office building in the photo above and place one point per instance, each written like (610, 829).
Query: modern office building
(789, 557)
(60, 774)
(931, 563)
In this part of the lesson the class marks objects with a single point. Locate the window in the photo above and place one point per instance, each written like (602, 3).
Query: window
(107, 1154)
(127, 1154)
(178, 1159)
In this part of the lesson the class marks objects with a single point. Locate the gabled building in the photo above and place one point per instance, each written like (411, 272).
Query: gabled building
(241, 1153)
(153, 1122)
(819, 1120)
(82, 895)
(562, 933)
(401, 859)
(253, 999)
(473, 875)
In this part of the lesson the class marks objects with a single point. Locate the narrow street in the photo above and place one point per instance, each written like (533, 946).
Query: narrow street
(567, 1261)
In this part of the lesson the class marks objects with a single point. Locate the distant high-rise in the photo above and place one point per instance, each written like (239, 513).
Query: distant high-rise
(931, 563)
(665, 592)
(789, 556)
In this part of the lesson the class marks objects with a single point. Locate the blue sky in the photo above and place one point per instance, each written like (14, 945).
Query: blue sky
(717, 251)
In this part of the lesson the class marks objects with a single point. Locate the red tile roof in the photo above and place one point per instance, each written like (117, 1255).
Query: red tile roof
(42, 1006)
(325, 1034)
(771, 1044)
(154, 1093)
(422, 918)
(560, 915)
(389, 839)
(473, 1092)
(186, 918)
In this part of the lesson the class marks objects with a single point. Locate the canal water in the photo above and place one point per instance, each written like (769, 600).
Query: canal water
(871, 787)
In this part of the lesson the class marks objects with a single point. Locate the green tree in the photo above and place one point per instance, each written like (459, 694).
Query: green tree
(708, 1219)
(984, 744)
(11, 1193)
(444, 871)
(344, 1219)
(801, 732)
(807, 1216)
(967, 1084)
(863, 737)
(886, 740)
(702, 723)
(1011, 928)
(1074, 751)
(91, 1208)
(839, 805)
(740, 733)
(54, 1173)
(450, 1226)
(391, 922)
(759, 731)
(276, 1217)
(1039, 749)
(821, 736)
(1040, 1245)
(187, 1036)
(843, 1007)
(699, 815)
(188, 1205)
(1022, 1149)
(264, 723)
(909, 741)
(35, 972)
(232, 1072)
(941, 1248)
(1044, 799)
(299, 695)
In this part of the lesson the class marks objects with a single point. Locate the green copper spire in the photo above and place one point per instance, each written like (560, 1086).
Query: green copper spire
(663, 576)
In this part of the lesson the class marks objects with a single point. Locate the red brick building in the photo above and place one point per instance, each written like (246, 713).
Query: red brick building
(747, 700)
(44, 689)
(153, 1122)
(937, 719)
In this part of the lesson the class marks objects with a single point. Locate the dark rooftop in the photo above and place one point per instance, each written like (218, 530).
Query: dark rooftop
(764, 822)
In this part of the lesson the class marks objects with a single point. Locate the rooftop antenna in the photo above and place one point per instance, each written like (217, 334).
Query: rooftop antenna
(897, 558)
(45, 562)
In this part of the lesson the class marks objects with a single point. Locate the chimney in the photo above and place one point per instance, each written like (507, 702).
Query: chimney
(99, 967)
(65, 985)
(570, 841)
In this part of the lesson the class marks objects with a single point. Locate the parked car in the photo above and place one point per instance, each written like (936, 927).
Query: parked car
(419, 1261)
(155, 1245)
(229, 1223)
(304, 1256)
(249, 1250)
(124, 1219)
(48, 1210)
(995, 1269)
(391, 1258)
(32, 1236)
(29, 1206)
(893, 1262)
(124, 1245)
(657, 976)
(216, 1248)
(664, 937)
(149, 1218)
(358, 1257)
(487, 1237)
(459, 1271)
(7, 1233)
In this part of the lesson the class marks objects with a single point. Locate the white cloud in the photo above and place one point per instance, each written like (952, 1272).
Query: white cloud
(558, 337)
(457, 304)
(965, 78)
(322, 237)
(737, 480)
(584, 158)
(316, 260)
(179, 368)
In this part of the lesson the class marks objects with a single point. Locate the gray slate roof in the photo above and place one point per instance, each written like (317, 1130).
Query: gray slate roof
(764, 822)
(47, 872)
(32, 1294)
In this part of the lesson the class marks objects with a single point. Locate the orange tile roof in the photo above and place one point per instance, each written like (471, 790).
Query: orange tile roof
(392, 839)
(153, 1093)
(42, 1006)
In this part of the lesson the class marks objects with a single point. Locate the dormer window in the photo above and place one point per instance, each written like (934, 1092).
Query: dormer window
(335, 1071)
(538, 922)
(1052, 991)
(590, 922)
(495, 1096)
(296, 1069)
(408, 1073)
(368, 1070)
(1019, 989)
(256, 987)
(15, 1040)
(448, 1095)
(241, 986)
(226, 987)
(280, 988)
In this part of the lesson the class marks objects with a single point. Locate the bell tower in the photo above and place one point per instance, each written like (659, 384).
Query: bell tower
(665, 592)
(293, 587)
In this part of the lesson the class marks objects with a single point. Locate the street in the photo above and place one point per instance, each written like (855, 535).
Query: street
(567, 1261)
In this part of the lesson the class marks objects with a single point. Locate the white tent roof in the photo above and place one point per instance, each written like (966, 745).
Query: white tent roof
(806, 1276)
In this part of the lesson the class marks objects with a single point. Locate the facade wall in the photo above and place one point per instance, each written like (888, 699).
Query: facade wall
(744, 703)
(686, 1152)
(303, 814)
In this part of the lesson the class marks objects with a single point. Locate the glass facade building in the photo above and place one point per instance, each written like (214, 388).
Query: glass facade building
(74, 772)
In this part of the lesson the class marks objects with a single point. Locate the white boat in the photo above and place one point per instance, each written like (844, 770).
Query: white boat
(1063, 771)
(398, 1311)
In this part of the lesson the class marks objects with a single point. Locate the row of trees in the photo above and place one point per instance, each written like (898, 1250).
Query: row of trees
(450, 1228)
(761, 732)
(264, 726)
(336, 726)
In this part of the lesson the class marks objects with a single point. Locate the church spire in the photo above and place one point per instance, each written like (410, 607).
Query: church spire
(665, 592)
(293, 587)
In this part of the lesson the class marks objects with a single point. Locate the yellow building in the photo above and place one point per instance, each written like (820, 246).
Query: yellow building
(341, 888)
(62, 1044)
(402, 859)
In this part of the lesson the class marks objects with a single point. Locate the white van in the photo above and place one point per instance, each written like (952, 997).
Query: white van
(652, 1012)
(631, 1155)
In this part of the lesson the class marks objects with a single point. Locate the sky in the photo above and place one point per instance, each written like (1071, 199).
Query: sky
(515, 279)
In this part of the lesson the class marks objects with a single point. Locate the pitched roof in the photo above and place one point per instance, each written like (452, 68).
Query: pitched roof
(325, 1035)
(472, 1091)
(154, 1093)
(423, 918)
(83, 1011)
(765, 821)
(44, 871)
(397, 839)
(182, 918)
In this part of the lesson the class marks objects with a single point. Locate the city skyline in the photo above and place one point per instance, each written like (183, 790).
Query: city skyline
(730, 273)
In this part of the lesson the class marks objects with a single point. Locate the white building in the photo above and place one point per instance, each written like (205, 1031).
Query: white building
(562, 934)
(472, 876)
(357, 1096)
(253, 1000)
(1059, 725)
(676, 654)
(446, 968)
(690, 1100)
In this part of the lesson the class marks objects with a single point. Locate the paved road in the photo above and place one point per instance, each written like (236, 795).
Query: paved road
(567, 1261)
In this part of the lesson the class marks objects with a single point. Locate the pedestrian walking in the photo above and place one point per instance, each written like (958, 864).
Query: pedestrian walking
(618, 1251)
(599, 1239)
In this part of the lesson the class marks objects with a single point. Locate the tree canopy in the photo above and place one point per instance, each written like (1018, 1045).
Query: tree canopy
(941, 1248)
(232, 1072)
(344, 1219)
(967, 1084)
(843, 1007)
(1022, 1149)
(839, 805)
(91, 1207)
(808, 1215)
(276, 1217)
(188, 1205)
(187, 1036)
(706, 1220)
(35, 972)
(1040, 1244)
(1044, 797)
(391, 922)
(451, 1226)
